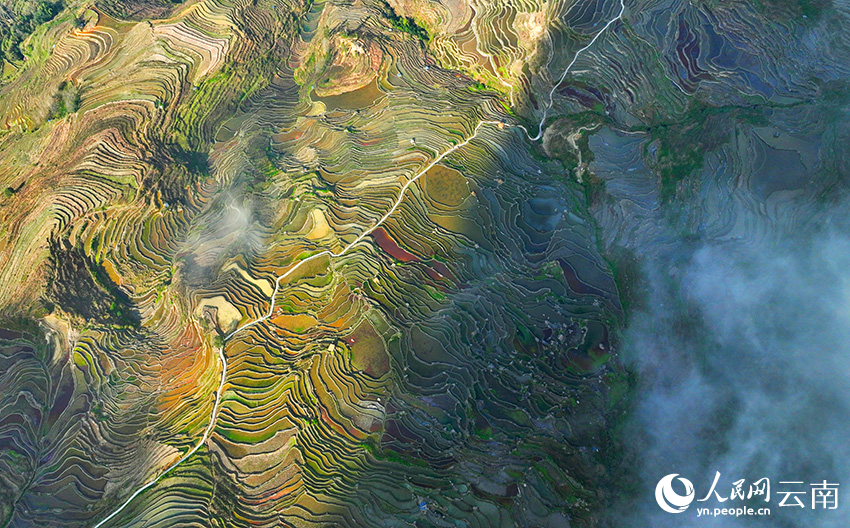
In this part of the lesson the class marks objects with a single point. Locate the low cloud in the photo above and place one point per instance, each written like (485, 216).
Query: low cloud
(744, 361)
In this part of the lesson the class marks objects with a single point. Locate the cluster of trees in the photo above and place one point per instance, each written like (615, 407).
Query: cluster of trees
(406, 24)
(66, 101)
(18, 19)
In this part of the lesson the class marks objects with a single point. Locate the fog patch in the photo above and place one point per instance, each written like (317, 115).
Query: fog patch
(229, 227)
(743, 360)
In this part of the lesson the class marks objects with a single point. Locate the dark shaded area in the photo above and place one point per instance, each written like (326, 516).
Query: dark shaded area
(780, 10)
(195, 162)
(137, 9)
(80, 286)
(176, 170)
(679, 145)
(631, 284)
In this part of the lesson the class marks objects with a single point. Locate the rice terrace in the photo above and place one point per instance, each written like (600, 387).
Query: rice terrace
(423, 263)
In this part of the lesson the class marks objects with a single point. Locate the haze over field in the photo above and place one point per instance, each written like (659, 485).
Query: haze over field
(743, 362)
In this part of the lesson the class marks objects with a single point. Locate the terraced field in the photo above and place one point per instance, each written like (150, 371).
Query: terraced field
(370, 263)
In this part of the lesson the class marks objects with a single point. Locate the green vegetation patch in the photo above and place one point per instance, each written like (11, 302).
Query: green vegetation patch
(679, 145)
(65, 101)
(19, 19)
(405, 24)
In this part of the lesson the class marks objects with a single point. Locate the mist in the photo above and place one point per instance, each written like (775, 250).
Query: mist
(744, 366)
(231, 225)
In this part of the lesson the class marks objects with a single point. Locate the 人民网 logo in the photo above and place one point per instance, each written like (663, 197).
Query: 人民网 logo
(668, 499)
(824, 495)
